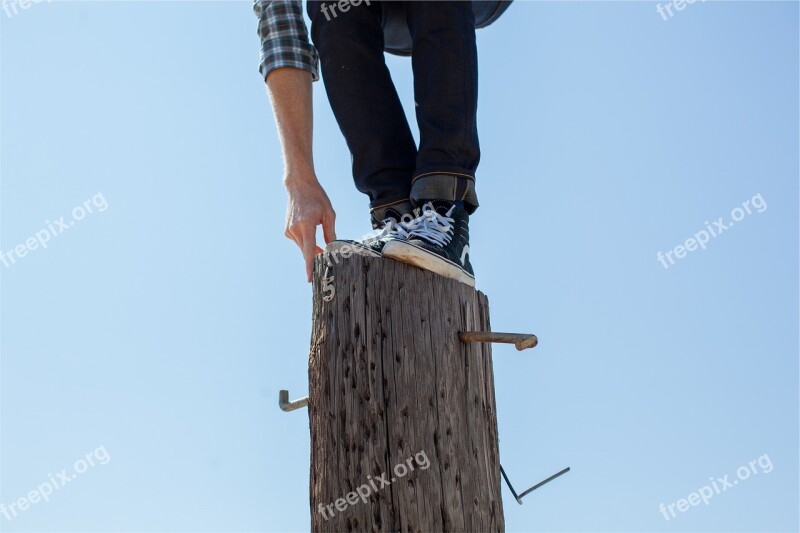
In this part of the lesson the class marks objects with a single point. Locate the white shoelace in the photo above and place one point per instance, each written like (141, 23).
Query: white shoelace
(432, 226)
(391, 230)
(394, 229)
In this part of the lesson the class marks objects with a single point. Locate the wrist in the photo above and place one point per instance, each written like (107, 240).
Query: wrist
(299, 176)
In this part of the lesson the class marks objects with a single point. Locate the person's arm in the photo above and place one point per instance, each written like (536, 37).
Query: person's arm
(308, 206)
(289, 64)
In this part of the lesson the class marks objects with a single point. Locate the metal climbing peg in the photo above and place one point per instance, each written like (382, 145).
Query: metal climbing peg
(520, 340)
(286, 405)
(524, 493)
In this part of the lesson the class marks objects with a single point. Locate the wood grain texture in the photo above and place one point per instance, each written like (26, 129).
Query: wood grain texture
(390, 383)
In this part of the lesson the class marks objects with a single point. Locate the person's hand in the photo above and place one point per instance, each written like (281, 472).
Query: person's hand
(308, 206)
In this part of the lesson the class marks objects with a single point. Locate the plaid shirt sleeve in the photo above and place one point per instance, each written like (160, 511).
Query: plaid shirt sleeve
(284, 37)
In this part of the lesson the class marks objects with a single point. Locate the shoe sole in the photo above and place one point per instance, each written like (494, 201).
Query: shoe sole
(419, 257)
(356, 247)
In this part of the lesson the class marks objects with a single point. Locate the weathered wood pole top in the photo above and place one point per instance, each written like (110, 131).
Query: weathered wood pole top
(402, 412)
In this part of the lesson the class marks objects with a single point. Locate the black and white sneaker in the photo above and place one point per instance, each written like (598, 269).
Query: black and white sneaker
(437, 241)
(371, 245)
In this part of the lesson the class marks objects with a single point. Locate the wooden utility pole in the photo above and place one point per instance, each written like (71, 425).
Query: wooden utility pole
(402, 412)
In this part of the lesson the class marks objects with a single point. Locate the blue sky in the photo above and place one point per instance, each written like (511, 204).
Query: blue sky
(160, 328)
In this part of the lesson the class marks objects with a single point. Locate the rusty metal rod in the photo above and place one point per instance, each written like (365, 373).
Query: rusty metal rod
(286, 405)
(520, 340)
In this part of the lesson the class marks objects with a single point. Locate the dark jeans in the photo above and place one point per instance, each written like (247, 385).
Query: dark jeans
(387, 165)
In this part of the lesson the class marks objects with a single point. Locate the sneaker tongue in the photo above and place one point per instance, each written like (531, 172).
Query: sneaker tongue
(440, 206)
(395, 211)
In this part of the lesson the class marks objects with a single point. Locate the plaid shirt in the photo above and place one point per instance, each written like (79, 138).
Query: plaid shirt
(284, 37)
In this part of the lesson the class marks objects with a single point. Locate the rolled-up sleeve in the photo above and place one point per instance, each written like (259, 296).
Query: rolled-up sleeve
(284, 37)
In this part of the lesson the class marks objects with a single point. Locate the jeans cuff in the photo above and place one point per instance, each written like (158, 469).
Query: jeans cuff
(450, 187)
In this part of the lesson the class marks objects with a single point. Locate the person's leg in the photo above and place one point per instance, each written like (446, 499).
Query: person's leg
(445, 64)
(365, 103)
